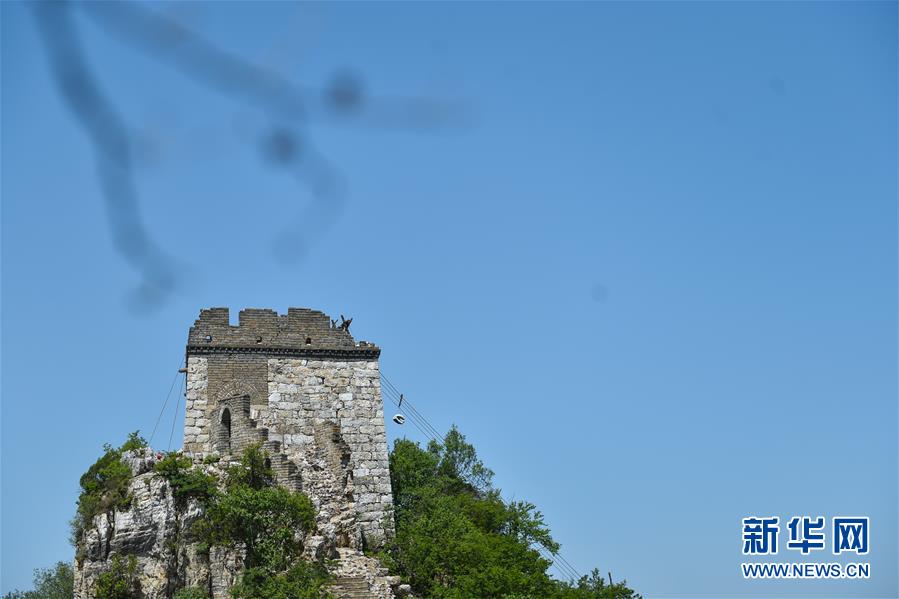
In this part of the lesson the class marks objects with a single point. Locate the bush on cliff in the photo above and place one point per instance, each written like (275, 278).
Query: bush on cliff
(105, 484)
(191, 593)
(186, 481)
(455, 536)
(119, 580)
(269, 522)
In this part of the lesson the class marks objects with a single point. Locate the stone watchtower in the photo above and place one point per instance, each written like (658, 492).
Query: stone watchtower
(301, 386)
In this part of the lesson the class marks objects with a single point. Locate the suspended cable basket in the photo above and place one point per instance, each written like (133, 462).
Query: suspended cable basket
(399, 418)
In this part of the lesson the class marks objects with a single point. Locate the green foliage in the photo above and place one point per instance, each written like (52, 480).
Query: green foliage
(212, 459)
(191, 593)
(458, 462)
(105, 485)
(187, 482)
(134, 441)
(269, 522)
(457, 538)
(265, 520)
(304, 580)
(56, 582)
(595, 587)
(254, 470)
(119, 580)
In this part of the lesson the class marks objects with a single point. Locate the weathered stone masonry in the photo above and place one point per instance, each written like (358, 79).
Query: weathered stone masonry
(304, 388)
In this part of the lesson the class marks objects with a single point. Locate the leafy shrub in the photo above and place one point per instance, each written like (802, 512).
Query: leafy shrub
(268, 522)
(56, 582)
(105, 485)
(265, 520)
(253, 471)
(305, 580)
(119, 581)
(186, 481)
(134, 441)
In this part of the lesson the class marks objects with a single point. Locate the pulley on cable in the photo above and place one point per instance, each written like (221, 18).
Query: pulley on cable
(399, 418)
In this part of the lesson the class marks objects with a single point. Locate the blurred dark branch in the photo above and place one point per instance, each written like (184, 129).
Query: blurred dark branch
(286, 105)
(168, 40)
(111, 145)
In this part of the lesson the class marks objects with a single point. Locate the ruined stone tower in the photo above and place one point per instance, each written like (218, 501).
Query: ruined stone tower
(301, 386)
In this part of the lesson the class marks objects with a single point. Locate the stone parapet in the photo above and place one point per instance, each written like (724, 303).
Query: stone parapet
(300, 332)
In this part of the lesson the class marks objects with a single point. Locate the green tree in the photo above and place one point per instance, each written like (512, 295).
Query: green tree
(457, 538)
(56, 582)
(595, 587)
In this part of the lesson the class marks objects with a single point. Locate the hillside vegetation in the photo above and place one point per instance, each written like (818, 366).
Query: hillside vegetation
(455, 536)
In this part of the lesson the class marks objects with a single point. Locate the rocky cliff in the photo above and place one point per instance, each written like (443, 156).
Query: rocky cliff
(155, 528)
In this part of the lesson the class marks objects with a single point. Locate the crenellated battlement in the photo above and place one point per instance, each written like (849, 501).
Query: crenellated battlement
(301, 332)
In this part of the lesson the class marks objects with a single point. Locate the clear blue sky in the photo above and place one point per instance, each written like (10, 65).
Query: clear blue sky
(652, 276)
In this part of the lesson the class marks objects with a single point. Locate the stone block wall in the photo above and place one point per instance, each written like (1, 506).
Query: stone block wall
(308, 392)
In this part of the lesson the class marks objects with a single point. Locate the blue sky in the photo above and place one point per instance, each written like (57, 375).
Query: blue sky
(646, 261)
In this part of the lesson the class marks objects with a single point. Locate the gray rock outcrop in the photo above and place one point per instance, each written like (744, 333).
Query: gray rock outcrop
(155, 529)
